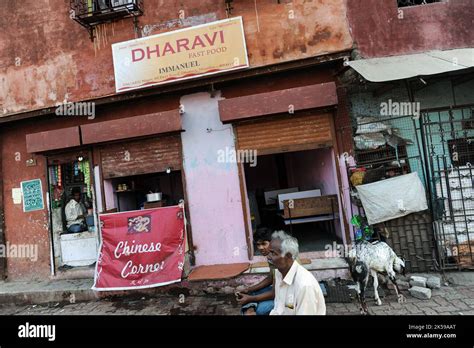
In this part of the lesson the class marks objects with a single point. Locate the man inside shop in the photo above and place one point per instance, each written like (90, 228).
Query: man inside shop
(76, 213)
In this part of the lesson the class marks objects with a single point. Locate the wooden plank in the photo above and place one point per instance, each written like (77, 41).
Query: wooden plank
(189, 231)
(337, 153)
(145, 156)
(245, 210)
(131, 127)
(277, 102)
(303, 207)
(53, 140)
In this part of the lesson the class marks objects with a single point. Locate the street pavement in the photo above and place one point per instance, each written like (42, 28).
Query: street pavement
(449, 300)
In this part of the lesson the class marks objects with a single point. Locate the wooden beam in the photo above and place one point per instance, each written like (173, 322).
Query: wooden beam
(131, 127)
(283, 101)
(53, 140)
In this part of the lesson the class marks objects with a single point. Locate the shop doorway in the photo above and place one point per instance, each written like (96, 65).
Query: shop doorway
(75, 238)
(296, 192)
(146, 191)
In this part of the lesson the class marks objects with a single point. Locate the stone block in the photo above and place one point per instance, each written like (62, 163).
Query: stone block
(420, 292)
(418, 281)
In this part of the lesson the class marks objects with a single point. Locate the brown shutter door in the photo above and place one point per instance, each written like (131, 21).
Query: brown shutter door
(141, 156)
(285, 133)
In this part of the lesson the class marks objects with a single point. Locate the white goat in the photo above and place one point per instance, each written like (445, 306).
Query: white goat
(369, 259)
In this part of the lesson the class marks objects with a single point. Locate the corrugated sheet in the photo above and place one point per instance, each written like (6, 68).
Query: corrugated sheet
(285, 134)
(141, 157)
(407, 66)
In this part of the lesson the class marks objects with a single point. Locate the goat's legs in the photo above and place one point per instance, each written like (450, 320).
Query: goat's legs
(376, 285)
(401, 298)
(360, 288)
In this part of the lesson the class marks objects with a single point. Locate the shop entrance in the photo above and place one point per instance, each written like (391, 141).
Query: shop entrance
(296, 192)
(143, 191)
(142, 174)
(73, 218)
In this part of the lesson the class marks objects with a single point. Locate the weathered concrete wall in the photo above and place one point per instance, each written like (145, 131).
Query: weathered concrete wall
(213, 188)
(20, 227)
(46, 57)
(380, 29)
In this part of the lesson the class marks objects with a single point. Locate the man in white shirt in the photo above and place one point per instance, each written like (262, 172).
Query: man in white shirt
(75, 213)
(297, 292)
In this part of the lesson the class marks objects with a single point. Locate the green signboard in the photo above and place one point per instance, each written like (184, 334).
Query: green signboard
(32, 195)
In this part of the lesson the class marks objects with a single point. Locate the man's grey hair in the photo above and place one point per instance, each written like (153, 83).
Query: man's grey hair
(289, 244)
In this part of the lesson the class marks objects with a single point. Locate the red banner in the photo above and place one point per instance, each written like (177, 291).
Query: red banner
(141, 249)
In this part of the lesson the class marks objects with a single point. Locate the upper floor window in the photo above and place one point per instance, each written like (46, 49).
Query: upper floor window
(90, 13)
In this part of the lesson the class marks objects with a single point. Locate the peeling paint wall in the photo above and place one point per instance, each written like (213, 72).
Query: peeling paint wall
(46, 57)
(20, 227)
(380, 29)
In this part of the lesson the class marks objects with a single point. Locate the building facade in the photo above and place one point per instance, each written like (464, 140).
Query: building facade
(166, 138)
(296, 106)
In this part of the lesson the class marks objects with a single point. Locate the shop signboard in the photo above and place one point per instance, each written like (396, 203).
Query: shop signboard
(193, 52)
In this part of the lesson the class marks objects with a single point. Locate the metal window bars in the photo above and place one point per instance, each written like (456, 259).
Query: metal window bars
(90, 13)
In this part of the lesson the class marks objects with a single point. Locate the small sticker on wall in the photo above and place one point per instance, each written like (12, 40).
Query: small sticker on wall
(16, 195)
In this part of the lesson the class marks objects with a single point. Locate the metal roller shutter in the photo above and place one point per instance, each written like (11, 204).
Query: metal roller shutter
(141, 156)
(286, 133)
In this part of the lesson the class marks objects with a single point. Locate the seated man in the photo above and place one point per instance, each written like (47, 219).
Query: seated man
(75, 213)
(297, 292)
(258, 299)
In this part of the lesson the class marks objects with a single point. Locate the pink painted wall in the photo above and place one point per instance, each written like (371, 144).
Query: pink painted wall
(109, 195)
(315, 169)
(212, 187)
(312, 169)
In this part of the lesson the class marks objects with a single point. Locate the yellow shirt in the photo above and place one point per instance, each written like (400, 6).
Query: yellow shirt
(298, 293)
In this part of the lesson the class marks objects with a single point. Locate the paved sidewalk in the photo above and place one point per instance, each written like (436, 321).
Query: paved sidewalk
(455, 299)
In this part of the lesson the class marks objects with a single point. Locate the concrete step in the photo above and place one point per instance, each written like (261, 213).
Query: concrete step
(70, 290)
(321, 268)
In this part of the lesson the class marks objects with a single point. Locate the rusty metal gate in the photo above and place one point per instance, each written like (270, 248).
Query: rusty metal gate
(448, 136)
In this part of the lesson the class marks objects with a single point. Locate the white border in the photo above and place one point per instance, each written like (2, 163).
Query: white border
(23, 196)
(246, 65)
